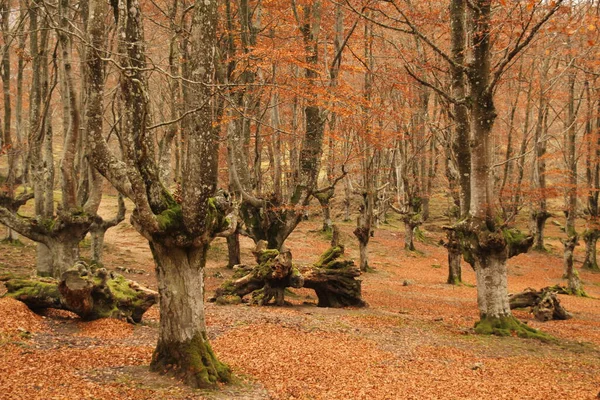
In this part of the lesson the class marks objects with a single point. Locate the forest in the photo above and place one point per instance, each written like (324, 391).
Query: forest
(299, 199)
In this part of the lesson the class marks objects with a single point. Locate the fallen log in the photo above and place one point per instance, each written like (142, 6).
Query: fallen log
(544, 303)
(333, 280)
(88, 292)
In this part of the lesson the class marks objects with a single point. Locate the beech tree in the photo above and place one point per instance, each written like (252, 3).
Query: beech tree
(57, 231)
(179, 231)
(485, 243)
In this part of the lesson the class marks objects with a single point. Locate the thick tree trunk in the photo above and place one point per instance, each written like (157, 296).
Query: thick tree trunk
(591, 239)
(97, 236)
(183, 349)
(492, 286)
(44, 264)
(65, 252)
(333, 280)
(89, 293)
(544, 304)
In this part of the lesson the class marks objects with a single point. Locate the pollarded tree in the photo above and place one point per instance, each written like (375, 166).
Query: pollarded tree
(179, 232)
(272, 213)
(487, 243)
(57, 232)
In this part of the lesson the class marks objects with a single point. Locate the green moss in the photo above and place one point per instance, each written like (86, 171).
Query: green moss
(513, 236)
(228, 299)
(31, 288)
(509, 326)
(330, 254)
(170, 219)
(192, 361)
(121, 290)
(12, 242)
(267, 255)
(216, 219)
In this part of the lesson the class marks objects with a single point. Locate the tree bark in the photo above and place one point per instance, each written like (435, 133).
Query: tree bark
(591, 239)
(89, 293)
(233, 249)
(183, 347)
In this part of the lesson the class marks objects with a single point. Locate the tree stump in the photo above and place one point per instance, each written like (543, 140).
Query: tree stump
(333, 280)
(544, 304)
(89, 293)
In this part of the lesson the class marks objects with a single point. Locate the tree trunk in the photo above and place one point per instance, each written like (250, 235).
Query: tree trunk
(538, 220)
(591, 239)
(65, 252)
(364, 255)
(183, 349)
(43, 261)
(571, 275)
(544, 304)
(233, 249)
(454, 259)
(492, 287)
(97, 236)
(89, 293)
(333, 280)
(409, 234)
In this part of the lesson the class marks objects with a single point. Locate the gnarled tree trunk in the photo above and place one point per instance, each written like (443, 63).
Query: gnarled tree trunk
(183, 342)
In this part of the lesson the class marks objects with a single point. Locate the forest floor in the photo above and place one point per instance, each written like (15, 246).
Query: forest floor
(414, 341)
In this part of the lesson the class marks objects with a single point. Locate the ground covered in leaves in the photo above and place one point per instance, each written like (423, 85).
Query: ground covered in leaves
(414, 341)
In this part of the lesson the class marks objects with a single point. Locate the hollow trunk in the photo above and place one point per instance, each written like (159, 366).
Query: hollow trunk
(183, 349)
(544, 304)
(591, 239)
(233, 249)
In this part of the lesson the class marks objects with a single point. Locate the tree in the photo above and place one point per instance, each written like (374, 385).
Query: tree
(57, 232)
(179, 232)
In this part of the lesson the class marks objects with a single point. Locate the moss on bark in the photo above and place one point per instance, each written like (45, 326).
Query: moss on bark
(192, 361)
(509, 326)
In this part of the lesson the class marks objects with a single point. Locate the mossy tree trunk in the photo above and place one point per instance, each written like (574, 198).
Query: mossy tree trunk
(333, 280)
(591, 240)
(178, 228)
(88, 292)
(183, 348)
